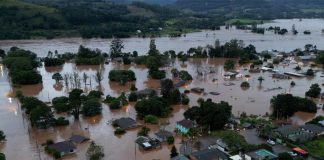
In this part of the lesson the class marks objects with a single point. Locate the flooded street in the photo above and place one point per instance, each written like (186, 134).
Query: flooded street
(24, 142)
(262, 42)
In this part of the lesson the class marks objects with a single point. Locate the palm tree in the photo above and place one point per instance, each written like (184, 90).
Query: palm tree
(260, 79)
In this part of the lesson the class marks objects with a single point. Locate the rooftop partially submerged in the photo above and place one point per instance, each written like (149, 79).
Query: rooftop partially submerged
(126, 123)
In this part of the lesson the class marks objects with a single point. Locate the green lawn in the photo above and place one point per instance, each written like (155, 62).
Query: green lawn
(316, 147)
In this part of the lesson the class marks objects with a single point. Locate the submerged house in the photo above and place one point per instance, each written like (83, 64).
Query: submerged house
(314, 129)
(146, 143)
(78, 139)
(185, 125)
(163, 135)
(280, 76)
(197, 90)
(179, 84)
(300, 134)
(232, 74)
(145, 92)
(64, 148)
(126, 123)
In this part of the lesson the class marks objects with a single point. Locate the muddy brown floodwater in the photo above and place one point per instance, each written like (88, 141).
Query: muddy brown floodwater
(24, 142)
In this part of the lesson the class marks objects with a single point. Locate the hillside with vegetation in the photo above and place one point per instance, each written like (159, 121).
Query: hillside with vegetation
(256, 9)
(50, 19)
(26, 19)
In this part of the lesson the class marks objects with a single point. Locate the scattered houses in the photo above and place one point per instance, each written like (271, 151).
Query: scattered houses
(185, 125)
(209, 154)
(126, 123)
(64, 148)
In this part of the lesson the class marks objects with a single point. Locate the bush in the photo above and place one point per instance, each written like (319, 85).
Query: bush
(2, 156)
(245, 84)
(115, 104)
(229, 64)
(61, 104)
(140, 60)
(86, 56)
(314, 91)
(292, 83)
(91, 107)
(151, 119)
(61, 121)
(143, 132)
(185, 101)
(170, 140)
(2, 136)
(132, 97)
(121, 76)
(119, 131)
(156, 106)
(126, 61)
(184, 75)
(157, 74)
(49, 62)
(310, 72)
(95, 94)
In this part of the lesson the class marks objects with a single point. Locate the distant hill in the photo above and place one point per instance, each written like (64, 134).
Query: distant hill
(256, 9)
(86, 18)
(161, 2)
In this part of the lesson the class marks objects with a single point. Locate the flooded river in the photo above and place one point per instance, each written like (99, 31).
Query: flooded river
(267, 41)
(24, 142)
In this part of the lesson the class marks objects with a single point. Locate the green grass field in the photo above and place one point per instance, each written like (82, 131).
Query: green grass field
(316, 147)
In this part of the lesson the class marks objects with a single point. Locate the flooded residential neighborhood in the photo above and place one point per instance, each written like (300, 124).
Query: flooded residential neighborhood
(24, 141)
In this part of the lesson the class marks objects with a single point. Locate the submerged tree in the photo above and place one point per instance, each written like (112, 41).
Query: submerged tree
(116, 47)
(314, 91)
(260, 79)
(95, 152)
(57, 77)
(174, 152)
(75, 102)
(99, 77)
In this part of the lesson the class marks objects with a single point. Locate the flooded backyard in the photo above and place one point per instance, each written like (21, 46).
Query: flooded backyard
(24, 142)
